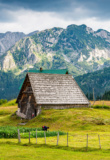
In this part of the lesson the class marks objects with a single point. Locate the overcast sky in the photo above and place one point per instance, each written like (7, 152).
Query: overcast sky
(30, 15)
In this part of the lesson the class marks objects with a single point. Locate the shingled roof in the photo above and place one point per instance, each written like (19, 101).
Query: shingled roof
(50, 71)
(56, 89)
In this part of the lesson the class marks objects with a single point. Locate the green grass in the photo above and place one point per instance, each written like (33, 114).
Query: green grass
(9, 103)
(41, 134)
(76, 119)
(11, 151)
(78, 122)
(12, 132)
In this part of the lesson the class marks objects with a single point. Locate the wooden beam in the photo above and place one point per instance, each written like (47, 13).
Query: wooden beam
(27, 92)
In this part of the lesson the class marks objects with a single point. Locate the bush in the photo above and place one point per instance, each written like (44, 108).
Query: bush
(41, 134)
(99, 121)
(101, 106)
(12, 132)
(10, 103)
(3, 101)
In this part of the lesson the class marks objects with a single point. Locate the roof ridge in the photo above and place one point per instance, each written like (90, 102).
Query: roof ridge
(50, 74)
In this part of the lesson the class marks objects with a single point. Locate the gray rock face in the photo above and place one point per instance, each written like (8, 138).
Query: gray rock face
(103, 34)
(78, 48)
(8, 39)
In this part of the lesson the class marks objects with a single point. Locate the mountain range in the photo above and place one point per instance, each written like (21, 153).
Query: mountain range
(99, 80)
(80, 49)
(8, 39)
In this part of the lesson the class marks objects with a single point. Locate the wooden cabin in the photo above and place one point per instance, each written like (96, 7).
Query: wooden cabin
(46, 90)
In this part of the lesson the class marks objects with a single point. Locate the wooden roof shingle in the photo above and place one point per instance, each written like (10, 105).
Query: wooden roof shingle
(56, 89)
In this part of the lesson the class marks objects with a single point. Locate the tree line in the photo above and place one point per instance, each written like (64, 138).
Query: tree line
(105, 96)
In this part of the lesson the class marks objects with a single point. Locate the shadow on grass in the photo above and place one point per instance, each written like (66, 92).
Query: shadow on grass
(75, 149)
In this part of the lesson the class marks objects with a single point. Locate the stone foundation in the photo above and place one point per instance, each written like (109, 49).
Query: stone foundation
(19, 114)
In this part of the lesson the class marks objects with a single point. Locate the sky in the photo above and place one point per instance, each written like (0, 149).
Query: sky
(31, 15)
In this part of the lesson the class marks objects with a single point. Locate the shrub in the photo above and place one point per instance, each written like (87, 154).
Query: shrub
(3, 101)
(12, 132)
(99, 121)
(10, 103)
(41, 134)
(101, 106)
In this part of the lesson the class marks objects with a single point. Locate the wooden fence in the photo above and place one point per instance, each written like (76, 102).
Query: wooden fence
(57, 140)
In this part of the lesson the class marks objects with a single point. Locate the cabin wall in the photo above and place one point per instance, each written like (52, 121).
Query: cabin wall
(29, 108)
(30, 112)
(26, 101)
(63, 106)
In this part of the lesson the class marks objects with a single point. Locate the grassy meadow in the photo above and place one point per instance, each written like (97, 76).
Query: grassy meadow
(10, 151)
(100, 103)
(78, 122)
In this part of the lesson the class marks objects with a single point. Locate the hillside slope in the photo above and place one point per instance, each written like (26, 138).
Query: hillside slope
(99, 80)
(76, 119)
(9, 85)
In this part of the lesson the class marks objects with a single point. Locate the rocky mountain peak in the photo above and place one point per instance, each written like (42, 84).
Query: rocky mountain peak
(8, 39)
(89, 30)
(77, 47)
(102, 33)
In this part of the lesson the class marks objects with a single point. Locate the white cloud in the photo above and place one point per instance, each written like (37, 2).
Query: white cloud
(27, 21)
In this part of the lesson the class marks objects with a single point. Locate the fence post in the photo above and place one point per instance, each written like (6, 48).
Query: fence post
(57, 138)
(45, 136)
(29, 136)
(99, 142)
(36, 136)
(67, 139)
(19, 140)
(87, 142)
(103, 105)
